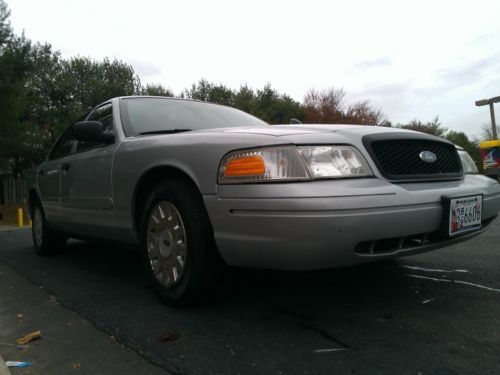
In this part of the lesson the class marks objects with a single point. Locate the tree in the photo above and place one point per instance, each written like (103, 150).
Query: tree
(245, 99)
(5, 28)
(276, 108)
(199, 91)
(328, 107)
(45, 99)
(41, 94)
(156, 90)
(89, 82)
(362, 113)
(324, 107)
(15, 64)
(471, 146)
(267, 104)
(487, 133)
(386, 124)
(210, 92)
(433, 127)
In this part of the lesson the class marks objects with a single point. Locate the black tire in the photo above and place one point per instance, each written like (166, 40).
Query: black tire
(201, 265)
(46, 240)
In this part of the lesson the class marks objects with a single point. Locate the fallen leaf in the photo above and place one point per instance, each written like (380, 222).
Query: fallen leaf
(76, 365)
(29, 337)
(169, 336)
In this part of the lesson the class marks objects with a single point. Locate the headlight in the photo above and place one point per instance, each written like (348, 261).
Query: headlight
(291, 163)
(334, 161)
(467, 163)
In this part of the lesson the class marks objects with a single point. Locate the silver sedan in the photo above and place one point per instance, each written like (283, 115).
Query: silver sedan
(199, 186)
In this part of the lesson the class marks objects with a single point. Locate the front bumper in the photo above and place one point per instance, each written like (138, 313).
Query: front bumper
(326, 224)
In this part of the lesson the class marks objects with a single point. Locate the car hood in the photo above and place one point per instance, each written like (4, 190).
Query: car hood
(308, 130)
(232, 137)
(279, 130)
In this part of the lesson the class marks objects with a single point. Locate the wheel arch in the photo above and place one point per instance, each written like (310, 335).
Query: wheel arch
(144, 185)
(33, 196)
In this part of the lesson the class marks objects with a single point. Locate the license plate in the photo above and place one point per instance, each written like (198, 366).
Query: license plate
(465, 214)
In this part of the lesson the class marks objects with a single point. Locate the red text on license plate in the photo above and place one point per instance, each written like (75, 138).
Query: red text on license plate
(465, 214)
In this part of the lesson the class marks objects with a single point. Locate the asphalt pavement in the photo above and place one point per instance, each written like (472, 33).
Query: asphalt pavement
(434, 313)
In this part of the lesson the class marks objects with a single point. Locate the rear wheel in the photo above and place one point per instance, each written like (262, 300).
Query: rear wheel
(46, 241)
(180, 254)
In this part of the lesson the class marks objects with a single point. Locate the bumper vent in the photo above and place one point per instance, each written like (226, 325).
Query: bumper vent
(387, 246)
(399, 159)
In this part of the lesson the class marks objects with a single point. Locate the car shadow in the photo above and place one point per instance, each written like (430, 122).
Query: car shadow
(352, 287)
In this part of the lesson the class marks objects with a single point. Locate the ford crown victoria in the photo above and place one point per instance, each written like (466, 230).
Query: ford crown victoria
(199, 185)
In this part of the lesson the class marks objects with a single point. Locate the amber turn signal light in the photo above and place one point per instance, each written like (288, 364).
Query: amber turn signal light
(245, 166)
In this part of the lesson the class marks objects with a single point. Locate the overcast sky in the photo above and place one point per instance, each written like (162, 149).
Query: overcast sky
(413, 59)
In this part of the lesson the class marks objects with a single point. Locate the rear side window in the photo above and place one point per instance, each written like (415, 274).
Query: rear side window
(104, 114)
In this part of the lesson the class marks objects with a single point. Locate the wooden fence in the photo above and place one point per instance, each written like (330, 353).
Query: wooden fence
(12, 197)
(12, 190)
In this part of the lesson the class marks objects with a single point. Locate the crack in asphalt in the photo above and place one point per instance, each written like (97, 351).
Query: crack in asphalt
(323, 333)
(453, 281)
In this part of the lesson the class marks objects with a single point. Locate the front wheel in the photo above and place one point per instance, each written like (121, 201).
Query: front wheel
(180, 254)
(46, 240)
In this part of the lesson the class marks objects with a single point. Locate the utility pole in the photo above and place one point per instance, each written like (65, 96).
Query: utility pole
(490, 102)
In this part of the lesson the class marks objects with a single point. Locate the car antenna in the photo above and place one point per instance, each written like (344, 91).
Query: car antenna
(294, 121)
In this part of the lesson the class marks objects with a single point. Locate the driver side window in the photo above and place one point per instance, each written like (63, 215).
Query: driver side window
(64, 146)
(104, 114)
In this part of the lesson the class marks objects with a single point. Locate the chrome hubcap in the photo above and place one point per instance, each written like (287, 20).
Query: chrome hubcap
(37, 226)
(166, 243)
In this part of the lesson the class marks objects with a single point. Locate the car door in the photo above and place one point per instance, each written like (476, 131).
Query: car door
(48, 176)
(86, 182)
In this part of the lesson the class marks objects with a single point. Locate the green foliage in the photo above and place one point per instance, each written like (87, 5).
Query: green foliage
(89, 82)
(433, 127)
(268, 104)
(155, 90)
(210, 92)
(5, 28)
(471, 146)
(41, 94)
(244, 99)
(14, 69)
(276, 108)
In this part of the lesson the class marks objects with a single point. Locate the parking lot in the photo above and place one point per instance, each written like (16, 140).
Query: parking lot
(435, 313)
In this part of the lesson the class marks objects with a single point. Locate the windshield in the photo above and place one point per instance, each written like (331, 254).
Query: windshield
(163, 115)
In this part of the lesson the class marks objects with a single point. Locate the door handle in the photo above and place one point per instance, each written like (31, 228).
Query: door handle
(66, 166)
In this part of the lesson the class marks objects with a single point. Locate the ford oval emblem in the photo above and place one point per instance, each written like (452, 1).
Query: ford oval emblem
(428, 156)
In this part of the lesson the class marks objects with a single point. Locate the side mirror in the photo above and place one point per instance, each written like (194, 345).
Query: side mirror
(91, 131)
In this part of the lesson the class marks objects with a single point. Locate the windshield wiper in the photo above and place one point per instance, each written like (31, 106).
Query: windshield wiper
(166, 131)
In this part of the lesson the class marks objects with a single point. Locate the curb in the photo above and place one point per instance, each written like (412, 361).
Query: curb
(4, 370)
(9, 228)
